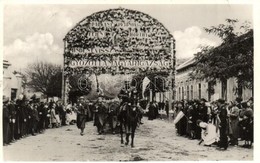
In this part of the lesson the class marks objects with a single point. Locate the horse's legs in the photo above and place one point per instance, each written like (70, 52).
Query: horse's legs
(112, 125)
(133, 136)
(127, 138)
(127, 130)
(121, 133)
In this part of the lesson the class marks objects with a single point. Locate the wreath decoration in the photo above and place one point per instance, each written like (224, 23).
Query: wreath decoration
(118, 34)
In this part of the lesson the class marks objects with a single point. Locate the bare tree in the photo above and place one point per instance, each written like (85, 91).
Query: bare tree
(45, 77)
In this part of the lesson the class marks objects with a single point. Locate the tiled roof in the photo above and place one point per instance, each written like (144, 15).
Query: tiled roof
(185, 64)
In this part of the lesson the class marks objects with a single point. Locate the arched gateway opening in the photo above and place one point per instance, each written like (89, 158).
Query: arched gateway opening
(121, 42)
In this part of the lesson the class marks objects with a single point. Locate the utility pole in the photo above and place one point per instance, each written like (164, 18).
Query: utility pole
(171, 75)
(63, 91)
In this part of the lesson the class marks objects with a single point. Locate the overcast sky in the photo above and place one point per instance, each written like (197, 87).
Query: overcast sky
(34, 32)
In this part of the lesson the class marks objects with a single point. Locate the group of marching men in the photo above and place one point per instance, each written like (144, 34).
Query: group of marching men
(24, 117)
(216, 123)
(109, 112)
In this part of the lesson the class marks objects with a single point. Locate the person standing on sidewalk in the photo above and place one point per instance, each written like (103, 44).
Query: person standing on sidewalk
(35, 118)
(223, 125)
(6, 121)
(234, 121)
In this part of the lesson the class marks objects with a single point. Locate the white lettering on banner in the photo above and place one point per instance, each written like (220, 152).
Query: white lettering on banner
(117, 23)
(122, 63)
(109, 50)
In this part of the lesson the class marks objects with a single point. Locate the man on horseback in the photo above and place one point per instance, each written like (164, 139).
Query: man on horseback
(124, 94)
(129, 112)
(134, 100)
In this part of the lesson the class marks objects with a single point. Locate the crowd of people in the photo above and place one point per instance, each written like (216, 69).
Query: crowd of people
(24, 117)
(231, 121)
(154, 108)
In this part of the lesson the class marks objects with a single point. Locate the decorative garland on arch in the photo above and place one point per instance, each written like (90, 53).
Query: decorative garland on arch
(118, 34)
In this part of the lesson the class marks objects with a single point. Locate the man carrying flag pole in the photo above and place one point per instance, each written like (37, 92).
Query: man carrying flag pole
(178, 117)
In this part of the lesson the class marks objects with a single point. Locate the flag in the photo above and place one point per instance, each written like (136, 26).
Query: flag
(146, 81)
(178, 117)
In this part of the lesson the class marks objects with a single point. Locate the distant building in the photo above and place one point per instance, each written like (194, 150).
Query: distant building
(12, 82)
(186, 88)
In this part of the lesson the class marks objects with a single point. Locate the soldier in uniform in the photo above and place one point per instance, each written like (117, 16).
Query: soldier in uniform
(135, 103)
(12, 112)
(81, 115)
(18, 119)
(124, 94)
(26, 111)
(100, 115)
(6, 120)
(24, 118)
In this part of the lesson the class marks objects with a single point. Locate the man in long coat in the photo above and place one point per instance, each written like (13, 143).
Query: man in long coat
(42, 117)
(12, 112)
(223, 125)
(18, 119)
(101, 114)
(35, 118)
(203, 111)
(81, 116)
(6, 120)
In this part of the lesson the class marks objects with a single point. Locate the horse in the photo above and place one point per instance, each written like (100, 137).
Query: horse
(128, 118)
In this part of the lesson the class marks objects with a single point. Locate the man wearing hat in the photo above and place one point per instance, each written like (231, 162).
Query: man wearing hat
(124, 94)
(6, 120)
(12, 113)
(203, 111)
(81, 116)
(250, 103)
(238, 102)
(100, 115)
(223, 125)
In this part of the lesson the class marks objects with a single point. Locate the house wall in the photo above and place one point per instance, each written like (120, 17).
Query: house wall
(191, 88)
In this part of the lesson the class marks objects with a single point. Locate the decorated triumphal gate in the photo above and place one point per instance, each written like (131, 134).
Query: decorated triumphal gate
(119, 41)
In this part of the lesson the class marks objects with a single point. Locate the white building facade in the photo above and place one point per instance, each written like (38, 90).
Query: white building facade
(12, 82)
(186, 88)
